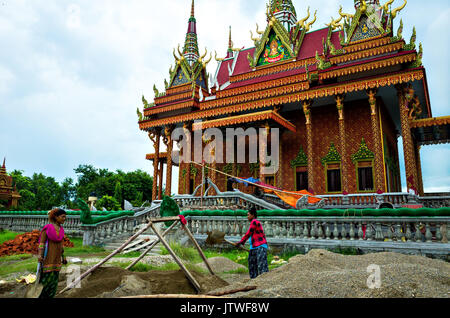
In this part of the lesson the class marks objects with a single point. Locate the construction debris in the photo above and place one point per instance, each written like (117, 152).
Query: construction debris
(26, 243)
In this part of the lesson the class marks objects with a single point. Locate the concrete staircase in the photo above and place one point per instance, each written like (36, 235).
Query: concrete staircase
(140, 244)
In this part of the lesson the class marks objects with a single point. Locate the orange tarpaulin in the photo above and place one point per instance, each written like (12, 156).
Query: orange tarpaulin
(291, 198)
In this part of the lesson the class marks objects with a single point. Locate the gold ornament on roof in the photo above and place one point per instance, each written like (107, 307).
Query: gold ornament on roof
(386, 5)
(301, 22)
(334, 24)
(396, 10)
(347, 16)
(257, 30)
(217, 59)
(308, 26)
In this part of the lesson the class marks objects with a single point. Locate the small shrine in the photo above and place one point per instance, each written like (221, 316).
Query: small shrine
(8, 191)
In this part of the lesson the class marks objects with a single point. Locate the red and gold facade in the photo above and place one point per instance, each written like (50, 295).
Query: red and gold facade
(340, 96)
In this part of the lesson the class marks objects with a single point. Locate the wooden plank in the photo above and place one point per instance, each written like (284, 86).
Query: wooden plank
(175, 257)
(171, 296)
(233, 291)
(166, 219)
(152, 246)
(199, 249)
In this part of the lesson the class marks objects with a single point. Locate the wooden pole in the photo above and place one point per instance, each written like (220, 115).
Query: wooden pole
(165, 219)
(199, 249)
(151, 246)
(233, 291)
(118, 250)
(175, 257)
(171, 296)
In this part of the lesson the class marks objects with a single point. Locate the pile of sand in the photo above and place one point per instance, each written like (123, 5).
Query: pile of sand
(109, 282)
(325, 274)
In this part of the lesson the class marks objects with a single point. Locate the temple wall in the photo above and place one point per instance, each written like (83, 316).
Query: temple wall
(325, 125)
(390, 141)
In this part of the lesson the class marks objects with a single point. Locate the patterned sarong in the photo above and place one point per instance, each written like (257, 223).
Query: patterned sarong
(257, 262)
(50, 281)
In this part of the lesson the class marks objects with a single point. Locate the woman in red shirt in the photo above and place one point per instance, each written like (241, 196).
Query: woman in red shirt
(257, 257)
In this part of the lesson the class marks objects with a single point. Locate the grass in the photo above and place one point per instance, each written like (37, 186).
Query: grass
(7, 236)
(80, 250)
(21, 266)
(27, 263)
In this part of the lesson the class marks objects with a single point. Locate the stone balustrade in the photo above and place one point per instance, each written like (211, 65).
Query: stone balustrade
(369, 200)
(435, 201)
(415, 235)
(102, 233)
(28, 223)
(225, 201)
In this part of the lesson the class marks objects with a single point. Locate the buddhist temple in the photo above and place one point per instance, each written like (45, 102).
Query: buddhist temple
(8, 191)
(341, 97)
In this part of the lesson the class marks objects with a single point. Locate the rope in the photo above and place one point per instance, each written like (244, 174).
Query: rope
(252, 183)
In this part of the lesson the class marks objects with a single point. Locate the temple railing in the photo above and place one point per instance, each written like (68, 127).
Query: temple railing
(370, 201)
(223, 201)
(93, 234)
(28, 223)
(435, 201)
(415, 235)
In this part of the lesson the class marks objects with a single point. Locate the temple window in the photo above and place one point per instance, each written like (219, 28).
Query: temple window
(300, 166)
(364, 162)
(365, 176)
(333, 175)
(270, 180)
(301, 178)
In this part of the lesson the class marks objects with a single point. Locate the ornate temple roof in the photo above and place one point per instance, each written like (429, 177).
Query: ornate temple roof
(290, 63)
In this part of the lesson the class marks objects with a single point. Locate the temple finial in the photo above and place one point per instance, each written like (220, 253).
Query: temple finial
(192, 9)
(4, 160)
(230, 43)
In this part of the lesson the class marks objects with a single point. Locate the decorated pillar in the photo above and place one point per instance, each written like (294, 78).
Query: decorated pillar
(419, 171)
(309, 144)
(169, 143)
(379, 177)
(342, 140)
(262, 150)
(155, 136)
(405, 96)
(160, 173)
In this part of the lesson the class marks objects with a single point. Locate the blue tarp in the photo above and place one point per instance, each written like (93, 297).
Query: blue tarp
(253, 180)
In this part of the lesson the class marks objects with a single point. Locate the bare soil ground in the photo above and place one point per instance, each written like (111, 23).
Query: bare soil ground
(318, 274)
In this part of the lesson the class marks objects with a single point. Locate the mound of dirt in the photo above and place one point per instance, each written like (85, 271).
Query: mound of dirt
(221, 265)
(111, 282)
(323, 274)
(26, 243)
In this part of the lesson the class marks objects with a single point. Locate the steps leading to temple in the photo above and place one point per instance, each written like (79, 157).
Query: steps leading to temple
(140, 244)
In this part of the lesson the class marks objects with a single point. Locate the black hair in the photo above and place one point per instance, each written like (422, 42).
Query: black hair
(253, 212)
(60, 212)
(55, 213)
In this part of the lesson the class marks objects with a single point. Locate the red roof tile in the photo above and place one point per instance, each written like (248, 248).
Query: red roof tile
(242, 65)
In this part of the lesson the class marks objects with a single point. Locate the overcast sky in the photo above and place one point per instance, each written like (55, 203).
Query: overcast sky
(72, 74)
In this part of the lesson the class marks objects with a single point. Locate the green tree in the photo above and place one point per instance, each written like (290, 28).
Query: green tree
(118, 193)
(109, 203)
